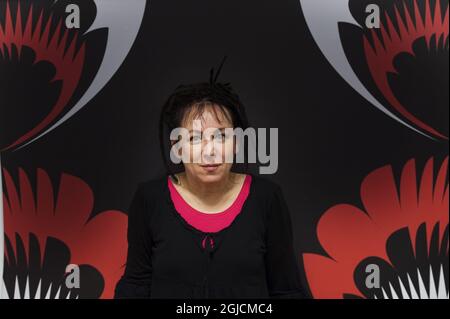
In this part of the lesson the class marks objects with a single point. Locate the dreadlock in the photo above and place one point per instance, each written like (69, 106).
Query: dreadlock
(186, 97)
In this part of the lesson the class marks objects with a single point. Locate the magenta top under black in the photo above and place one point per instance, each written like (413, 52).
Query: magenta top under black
(206, 222)
(245, 251)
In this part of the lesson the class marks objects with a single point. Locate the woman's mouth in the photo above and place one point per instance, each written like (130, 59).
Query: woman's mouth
(210, 167)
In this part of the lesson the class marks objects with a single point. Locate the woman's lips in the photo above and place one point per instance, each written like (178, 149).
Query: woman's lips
(210, 167)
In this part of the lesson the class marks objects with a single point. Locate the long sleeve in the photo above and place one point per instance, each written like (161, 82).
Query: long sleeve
(282, 272)
(136, 280)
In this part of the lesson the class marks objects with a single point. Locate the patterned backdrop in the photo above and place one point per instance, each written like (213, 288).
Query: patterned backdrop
(362, 115)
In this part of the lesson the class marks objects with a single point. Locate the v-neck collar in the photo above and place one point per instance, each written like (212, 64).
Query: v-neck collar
(199, 235)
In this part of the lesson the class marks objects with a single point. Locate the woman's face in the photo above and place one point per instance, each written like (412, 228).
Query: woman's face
(208, 145)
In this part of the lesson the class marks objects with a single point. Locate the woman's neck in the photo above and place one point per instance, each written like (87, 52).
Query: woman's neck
(210, 193)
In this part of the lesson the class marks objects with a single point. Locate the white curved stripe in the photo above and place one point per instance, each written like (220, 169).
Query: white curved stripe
(27, 289)
(385, 296)
(47, 296)
(433, 292)
(436, 289)
(442, 292)
(123, 20)
(393, 293)
(58, 293)
(405, 294)
(38, 291)
(16, 289)
(422, 290)
(3, 291)
(412, 289)
(322, 18)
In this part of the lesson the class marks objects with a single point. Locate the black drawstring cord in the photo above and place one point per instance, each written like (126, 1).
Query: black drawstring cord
(209, 250)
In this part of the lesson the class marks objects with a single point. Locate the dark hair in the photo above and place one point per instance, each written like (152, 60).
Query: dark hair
(187, 97)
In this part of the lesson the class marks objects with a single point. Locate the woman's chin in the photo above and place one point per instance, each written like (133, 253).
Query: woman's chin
(208, 175)
(211, 177)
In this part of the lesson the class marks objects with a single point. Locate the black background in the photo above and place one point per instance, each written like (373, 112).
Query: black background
(329, 136)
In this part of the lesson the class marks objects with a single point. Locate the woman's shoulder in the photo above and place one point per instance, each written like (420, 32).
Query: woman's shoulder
(154, 182)
(152, 187)
(269, 196)
(264, 185)
(149, 194)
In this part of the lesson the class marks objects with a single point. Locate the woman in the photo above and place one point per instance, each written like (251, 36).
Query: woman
(208, 232)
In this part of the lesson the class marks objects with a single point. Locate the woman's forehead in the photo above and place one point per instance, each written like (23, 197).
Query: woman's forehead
(211, 116)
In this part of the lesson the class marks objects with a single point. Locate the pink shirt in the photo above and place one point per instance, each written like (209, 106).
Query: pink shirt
(209, 223)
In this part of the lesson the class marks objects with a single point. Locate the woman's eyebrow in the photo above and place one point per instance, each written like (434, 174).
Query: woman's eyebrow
(217, 128)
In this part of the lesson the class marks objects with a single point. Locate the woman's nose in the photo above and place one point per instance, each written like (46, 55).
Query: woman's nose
(209, 148)
(212, 150)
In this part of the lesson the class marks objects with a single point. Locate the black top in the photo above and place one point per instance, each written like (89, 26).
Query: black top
(251, 258)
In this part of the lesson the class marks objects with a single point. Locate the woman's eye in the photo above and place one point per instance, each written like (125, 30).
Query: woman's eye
(221, 137)
(195, 139)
